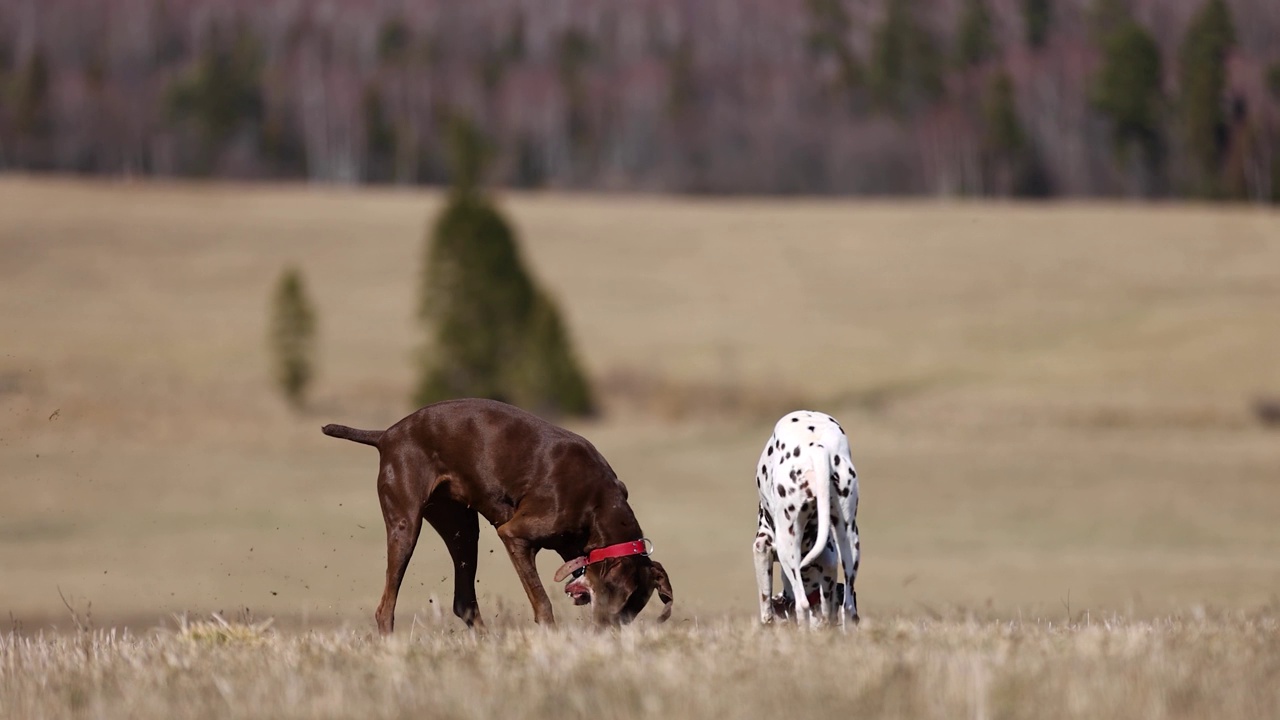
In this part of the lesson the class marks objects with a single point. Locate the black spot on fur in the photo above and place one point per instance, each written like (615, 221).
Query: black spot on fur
(782, 490)
(836, 461)
(770, 453)
(810, 428)
(853, 474)
(795, 419)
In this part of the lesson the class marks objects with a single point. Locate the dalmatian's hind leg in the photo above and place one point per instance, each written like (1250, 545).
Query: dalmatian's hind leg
(764, 557)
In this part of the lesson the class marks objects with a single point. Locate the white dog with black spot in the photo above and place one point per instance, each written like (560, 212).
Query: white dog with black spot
(808, 518)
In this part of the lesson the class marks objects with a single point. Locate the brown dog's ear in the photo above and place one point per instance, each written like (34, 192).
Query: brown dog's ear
(663, 585)
(569, 568)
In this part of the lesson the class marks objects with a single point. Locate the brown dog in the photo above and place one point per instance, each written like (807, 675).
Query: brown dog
(540, 485)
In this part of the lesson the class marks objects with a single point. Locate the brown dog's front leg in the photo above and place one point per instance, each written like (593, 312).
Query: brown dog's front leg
(522, 554)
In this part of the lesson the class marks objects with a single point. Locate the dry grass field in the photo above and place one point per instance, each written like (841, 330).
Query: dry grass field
(1049, 406)
(1224, 667)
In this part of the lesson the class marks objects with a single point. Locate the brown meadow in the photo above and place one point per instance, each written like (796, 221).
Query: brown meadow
(1051, 408)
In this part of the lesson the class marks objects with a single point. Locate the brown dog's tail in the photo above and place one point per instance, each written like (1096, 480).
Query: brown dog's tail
(366, 437)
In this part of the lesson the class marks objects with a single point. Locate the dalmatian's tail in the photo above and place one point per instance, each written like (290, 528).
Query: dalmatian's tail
(820, 461)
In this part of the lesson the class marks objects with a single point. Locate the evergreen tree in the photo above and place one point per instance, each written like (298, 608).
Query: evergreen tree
(380, 135)
(1013, 165)
(1202, 73)
(1128, 91)
(549, 379)
(292, 338)
(682, 89)
(1004, 131)
(829, 36)
(223, 91)
(1038, 17)
(6, 57)
(1106, 17)
(976, 43)
(394, 41)
(906, 66)
(530, 168)
(281, 145)
(493, 332)
(32, 115)
(574, 51)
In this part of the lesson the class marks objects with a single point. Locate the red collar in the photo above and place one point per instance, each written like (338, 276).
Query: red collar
(622, 549)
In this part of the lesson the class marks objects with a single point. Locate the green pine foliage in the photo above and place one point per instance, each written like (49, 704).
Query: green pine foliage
(474, 301)
(31, 112)
(1106, 17)
(682, 89)
(1004, 134)
(292, 338)
(548, 380)
(222, 91)
(976, 43)
(492, 332)
(1202, 75)
(574, 52)
(906, 67)
(380, 136)
(829, 37)
(395, 40)
(1128, 88)
(1014, 167)
(1037, 15)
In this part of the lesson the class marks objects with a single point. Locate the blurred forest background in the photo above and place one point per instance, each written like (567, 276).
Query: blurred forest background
(953, 97)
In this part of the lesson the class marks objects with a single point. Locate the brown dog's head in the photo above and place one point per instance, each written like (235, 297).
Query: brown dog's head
(619, 588)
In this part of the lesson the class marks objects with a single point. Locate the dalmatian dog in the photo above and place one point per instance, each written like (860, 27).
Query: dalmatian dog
(807, 521)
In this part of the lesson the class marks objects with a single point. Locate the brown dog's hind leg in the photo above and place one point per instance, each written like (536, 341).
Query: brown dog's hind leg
(459, 527)
(403, 517)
